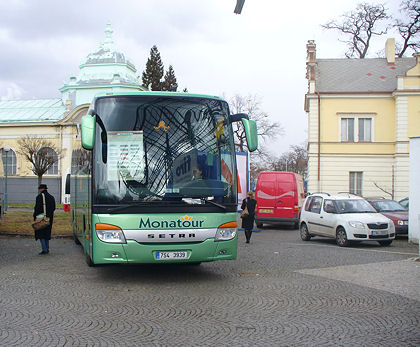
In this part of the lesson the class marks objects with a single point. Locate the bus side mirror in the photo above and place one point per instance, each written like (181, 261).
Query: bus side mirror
(88, 126)
(250, 127)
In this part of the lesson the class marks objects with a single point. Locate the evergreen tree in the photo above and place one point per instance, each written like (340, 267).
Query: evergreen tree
(169, 83)
(154, 71)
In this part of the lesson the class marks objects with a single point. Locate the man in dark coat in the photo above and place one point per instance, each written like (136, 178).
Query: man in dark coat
(44, 235)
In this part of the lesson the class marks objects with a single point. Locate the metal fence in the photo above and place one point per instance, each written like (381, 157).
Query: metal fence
(25, 189)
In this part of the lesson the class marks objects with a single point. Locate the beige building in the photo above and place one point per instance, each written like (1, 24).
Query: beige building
(361, 113)
(55, 120)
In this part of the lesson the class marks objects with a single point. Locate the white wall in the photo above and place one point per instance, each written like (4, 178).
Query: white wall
(376, 169)
(414, 189)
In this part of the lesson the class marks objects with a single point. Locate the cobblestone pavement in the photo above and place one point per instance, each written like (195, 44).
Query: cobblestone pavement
(280, 291)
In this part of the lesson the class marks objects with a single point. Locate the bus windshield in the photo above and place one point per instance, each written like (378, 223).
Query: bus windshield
(155, 149)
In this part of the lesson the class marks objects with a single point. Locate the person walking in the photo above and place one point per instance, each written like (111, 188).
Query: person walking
(248, 221)
(44, 235)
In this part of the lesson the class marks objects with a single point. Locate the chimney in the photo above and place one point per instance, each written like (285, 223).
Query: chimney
(310, 51)
(310, 60)
(390, 50)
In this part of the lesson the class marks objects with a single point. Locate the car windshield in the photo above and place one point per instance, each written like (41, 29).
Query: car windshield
(404, 203)
(388, 206)
(354, 206)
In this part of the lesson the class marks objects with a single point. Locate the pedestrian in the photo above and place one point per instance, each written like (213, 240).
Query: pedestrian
(44, 235)
(248, 222)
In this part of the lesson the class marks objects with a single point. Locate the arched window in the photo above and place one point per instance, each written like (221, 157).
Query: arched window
(11, 161)
(50, 153)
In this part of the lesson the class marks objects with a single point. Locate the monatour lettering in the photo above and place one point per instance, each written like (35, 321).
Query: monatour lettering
(165, 224)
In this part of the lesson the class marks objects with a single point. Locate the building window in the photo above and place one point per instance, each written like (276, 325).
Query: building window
(11, 162)
(50, 154)
(365, 129)
(347, 129)
(355, 184)
(356, 129)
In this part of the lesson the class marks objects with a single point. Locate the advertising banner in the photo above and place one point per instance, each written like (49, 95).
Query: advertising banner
(243, 176)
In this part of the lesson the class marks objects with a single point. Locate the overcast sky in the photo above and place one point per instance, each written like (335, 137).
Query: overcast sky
(212, 50)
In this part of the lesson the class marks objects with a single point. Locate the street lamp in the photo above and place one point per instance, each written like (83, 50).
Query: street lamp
(5, 149)
(238, 7)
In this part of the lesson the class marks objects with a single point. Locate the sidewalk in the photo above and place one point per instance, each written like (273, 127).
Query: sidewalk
(398, 277)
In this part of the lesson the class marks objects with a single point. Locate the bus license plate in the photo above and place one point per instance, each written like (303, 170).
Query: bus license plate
(171, 255)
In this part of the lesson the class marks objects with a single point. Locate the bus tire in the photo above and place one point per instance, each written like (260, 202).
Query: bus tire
(76, 240)
(89, 261)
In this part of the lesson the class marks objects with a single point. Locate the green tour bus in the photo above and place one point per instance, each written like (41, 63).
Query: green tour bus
(153, 179)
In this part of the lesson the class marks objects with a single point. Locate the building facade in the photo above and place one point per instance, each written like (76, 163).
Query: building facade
(361, 113)
(56, 120)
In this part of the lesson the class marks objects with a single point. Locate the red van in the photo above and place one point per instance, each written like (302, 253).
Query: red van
(280, 197)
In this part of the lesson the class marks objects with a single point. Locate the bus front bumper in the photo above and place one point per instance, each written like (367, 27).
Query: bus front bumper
(134, 252)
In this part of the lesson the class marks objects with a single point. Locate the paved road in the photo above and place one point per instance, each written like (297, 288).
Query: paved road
(280, 292)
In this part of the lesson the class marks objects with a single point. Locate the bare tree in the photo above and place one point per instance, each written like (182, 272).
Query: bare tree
(359, 26)
(42, 154)
(409, 27)
(295, 160)
(261, 161)
(250, 104)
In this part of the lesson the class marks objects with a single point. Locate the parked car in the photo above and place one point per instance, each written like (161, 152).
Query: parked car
(404, 203)
(280, 197)
(344, 217)
(394, 211)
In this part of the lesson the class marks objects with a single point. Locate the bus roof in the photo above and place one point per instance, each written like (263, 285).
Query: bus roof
(156, 93)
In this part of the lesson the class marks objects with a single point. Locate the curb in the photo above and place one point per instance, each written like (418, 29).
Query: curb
(32, 235)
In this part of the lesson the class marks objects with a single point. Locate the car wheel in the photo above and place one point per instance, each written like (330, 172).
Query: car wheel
(259, 225)
(304, 232)
(341, 238)
(385, 243)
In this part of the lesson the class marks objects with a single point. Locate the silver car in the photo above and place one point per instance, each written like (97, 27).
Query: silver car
(344, 217)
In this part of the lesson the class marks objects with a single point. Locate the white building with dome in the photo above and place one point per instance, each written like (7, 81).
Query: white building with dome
(107, 69)
(55, 120)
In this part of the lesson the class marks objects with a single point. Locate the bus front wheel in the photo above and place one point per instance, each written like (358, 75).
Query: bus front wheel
(76, 240)
(89, 261)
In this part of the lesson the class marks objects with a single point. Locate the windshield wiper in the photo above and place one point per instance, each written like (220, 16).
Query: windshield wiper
(206, 200)
(126, 206)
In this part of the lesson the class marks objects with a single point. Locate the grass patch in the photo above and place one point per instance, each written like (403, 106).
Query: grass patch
(19, 223)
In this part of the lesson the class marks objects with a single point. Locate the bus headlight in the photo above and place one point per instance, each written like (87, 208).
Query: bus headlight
(109, 233)
(226, 231)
